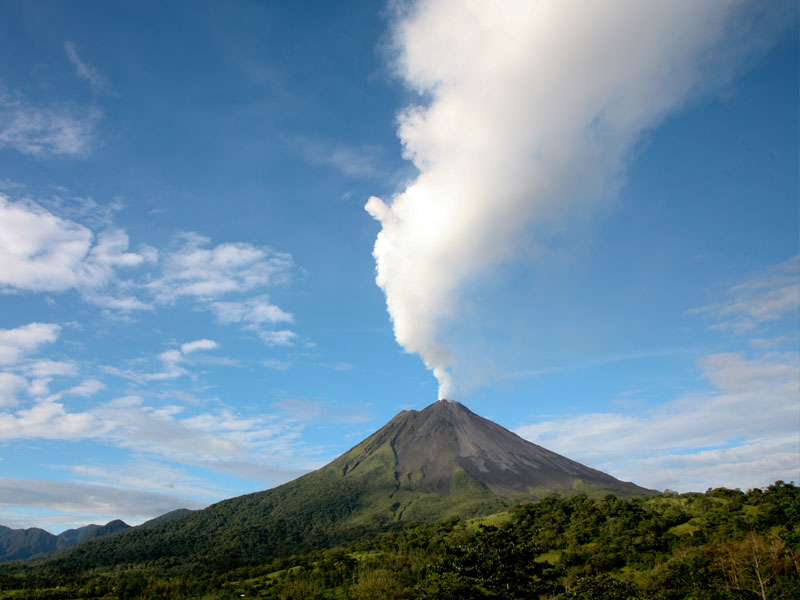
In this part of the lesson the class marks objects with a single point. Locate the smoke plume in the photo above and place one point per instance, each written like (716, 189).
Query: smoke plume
(528, 111)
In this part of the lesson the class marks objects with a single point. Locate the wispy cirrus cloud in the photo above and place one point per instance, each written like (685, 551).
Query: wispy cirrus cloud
(741, 431)
(356, 161)
(46, 131)
(316, 410)
(83, 69)
(74, 500)
(85, 389)
(171, 432)
(751, 406)
(766, 297)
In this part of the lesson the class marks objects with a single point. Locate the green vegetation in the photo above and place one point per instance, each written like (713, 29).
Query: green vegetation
(721, 545)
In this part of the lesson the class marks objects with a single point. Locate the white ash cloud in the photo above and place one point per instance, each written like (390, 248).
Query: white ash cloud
(528, 113)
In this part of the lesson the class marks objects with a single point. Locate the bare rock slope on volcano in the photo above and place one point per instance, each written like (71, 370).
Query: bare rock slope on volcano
(432, 445)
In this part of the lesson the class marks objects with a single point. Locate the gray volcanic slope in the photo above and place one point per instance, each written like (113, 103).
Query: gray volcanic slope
(430, 445)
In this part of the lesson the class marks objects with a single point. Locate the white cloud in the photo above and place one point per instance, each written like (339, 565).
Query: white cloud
(755, 463)
(256, 311)
(51, 368)
(123, 304)
(43, 252)
(767, 297)
(205, 438)
(354, 161)
(254, 314)
(751, 408)
(49, 421)
(172, 362)
(18, 343)
(528, 114)
(171, 368)
(316, 410)
(284, 337)
(145, 475)
(277, 365)
(86, 499)
(46, 131)
(207, 273)
(39, 387)
(40, 251)
(10, 386)
(85, 389)
(85, 210)
(203, 344)
(84, 70)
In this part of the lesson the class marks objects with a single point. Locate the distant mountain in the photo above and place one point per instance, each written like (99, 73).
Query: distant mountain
(25, 543)
(70, 537)
(165, 518)
(421, 466)
(17, 544)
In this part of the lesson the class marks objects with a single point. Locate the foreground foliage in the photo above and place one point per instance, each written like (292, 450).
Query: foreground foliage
(721, 545)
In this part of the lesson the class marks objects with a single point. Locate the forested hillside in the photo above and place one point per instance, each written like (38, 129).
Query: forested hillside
(721, 545)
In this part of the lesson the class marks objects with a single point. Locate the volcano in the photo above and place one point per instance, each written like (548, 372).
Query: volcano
(422, 466)
(431, 446)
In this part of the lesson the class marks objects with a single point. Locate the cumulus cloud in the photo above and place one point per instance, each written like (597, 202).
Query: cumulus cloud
(529, 111)
(199, 345)
(49, 420)
(10, 386)
(196, 271)
(44, 131)
(18, 343)
(749, 418)
(170, 366)
(283, 337)
(51, 368)
(41, 252)
(254, 311)
(172, 362)
(256, 314)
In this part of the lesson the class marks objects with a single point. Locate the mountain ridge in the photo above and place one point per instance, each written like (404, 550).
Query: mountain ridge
(17, 544)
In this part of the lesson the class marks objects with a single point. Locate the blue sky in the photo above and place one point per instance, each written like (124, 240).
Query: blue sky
(587, 226)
